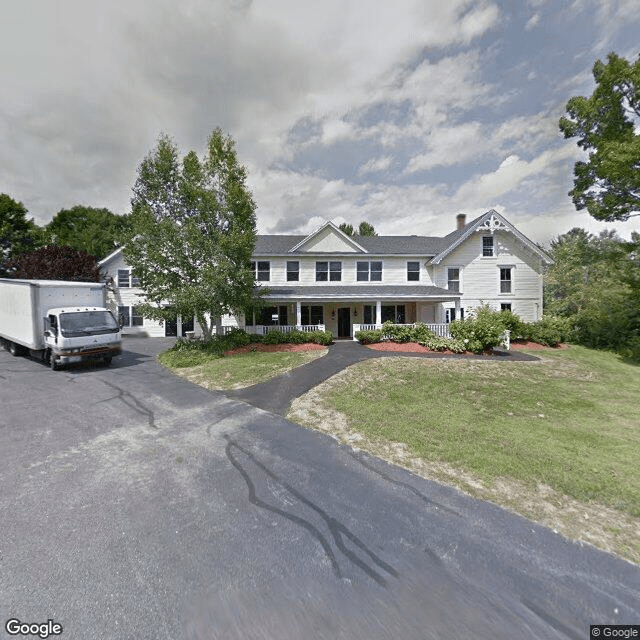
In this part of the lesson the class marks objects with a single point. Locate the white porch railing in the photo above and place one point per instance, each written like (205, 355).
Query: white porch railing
(261, 329)
(441, 330)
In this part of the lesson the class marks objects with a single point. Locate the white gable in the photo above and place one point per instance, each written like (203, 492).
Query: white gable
(329, 239)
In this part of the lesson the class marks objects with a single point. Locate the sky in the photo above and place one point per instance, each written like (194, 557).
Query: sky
(400, 113)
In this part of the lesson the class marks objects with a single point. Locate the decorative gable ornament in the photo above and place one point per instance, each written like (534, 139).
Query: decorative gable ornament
(491, 224)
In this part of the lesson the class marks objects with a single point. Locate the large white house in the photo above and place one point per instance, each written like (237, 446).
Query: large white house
(343, 283)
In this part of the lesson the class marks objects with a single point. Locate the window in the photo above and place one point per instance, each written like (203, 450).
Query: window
(505, 306)
(136, 317)
(393, 313)
(126, 279)
(124, 316)
(311, 315)
(413, 271)
(369, 314)
(453, 279)
(328, 271)
(505, 279)
(369, 271)
(487, 246)
(261, 270)
(123, 278)
(293, 271)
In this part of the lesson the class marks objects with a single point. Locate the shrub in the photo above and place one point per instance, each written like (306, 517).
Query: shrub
(369, 336)
(421, 333)
(512, 323)
(482, 330)
(550, 330)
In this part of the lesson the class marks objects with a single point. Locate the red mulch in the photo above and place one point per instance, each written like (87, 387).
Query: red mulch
(271, 348)
(518, 345)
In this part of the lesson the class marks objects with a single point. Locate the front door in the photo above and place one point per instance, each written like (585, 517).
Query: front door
(344, 322)
(171, 328)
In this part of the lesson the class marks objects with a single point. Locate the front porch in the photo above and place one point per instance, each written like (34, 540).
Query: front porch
(345, 317)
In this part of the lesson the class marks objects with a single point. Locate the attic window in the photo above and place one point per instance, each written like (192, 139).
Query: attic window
(487, 246)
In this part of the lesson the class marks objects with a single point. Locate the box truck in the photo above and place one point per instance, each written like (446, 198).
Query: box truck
(59, 322)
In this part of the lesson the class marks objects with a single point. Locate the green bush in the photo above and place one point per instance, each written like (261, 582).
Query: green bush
(549, 330)
(482, 330)
(421, 333)
(324, 338)
(438, 343)
(512, 323)
(370, 336)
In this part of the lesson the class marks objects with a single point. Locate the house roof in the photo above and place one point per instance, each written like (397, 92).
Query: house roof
(360, 292)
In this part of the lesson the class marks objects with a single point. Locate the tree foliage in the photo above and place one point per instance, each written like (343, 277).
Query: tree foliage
(364, 229)
(606, 126)
(55, 263)
(193, 232)
(17, 232)
(595, 282)
(97, 232)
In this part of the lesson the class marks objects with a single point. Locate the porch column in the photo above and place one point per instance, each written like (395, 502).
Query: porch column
(298, 314)
(458, 309)
(378, 312)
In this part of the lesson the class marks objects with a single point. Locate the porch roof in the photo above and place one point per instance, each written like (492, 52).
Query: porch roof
(362, 293)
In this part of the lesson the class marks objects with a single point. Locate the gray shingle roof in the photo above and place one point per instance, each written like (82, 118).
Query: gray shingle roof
(368, 292)
(272, 245)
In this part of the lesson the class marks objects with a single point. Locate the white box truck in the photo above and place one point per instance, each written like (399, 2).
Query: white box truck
(59, 322)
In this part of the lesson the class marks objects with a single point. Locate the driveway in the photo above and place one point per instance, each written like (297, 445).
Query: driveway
(136, 505)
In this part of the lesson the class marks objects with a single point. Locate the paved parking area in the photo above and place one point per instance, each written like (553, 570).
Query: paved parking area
(136, 505)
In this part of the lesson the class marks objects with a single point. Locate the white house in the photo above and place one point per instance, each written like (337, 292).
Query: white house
(342, 283)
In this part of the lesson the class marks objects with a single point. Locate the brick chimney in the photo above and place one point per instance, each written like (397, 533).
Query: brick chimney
(461, 219)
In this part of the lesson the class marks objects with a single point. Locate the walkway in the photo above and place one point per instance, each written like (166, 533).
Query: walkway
(277, 394)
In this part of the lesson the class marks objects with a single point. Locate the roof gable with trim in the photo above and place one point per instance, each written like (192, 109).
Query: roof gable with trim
(488, 223)
(328, 239)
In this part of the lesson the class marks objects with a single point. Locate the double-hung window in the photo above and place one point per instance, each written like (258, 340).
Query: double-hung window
(293, 271)
(369, 271)
(126, 279)
(505, 280)
(487, 246)
(311, 315)
(413, 271)
(453, 279)
(130, 316)
(328, 271)
(261, 270)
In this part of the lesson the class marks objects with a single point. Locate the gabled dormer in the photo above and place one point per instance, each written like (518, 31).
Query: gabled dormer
(328, 239)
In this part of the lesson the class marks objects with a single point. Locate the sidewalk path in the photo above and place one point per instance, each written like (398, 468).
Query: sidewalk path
(277, 394)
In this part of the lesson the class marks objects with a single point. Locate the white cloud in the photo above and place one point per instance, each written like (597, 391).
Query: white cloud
(375, 165)
(532, 23)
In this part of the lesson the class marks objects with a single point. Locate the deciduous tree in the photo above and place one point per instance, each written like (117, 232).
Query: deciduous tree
(17, 232)
(55, 263)
(193, 232)
(97, 232)
(606, 125)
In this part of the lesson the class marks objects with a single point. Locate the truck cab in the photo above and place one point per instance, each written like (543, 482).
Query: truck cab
(74, 334)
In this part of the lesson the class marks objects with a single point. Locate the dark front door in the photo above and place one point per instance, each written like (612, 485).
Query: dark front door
(171, 328)
(187, 326)
(344, 322)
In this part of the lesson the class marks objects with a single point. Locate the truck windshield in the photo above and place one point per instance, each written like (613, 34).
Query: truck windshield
(84, 323)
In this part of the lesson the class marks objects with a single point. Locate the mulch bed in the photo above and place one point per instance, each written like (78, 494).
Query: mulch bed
(272, 348)
(414, 347)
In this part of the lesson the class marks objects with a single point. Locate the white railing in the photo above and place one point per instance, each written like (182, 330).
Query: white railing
(261, 329)
(441, 330)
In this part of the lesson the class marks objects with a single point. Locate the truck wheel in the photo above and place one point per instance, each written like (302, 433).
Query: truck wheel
(107, 361)
(53, 362)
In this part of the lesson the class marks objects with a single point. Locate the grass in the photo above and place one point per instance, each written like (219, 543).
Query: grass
(570, 424)
(233, 372)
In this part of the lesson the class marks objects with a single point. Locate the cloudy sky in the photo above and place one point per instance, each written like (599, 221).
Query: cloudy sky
(400, 113)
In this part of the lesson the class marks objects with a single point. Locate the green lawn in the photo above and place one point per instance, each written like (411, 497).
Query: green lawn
(570, 423)
(236, 371)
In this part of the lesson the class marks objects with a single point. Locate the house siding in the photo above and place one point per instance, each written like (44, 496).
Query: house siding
(480, 276)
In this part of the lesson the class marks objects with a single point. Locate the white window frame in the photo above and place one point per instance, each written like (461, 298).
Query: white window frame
(510, 280)
(133, 320)
(257, 272)
(493, 247)
(459, 280)
(413, 271)
(293, 271)
(132, 281)
(369, 271)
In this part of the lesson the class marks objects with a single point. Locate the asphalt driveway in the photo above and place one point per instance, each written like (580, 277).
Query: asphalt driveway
(136, 505)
